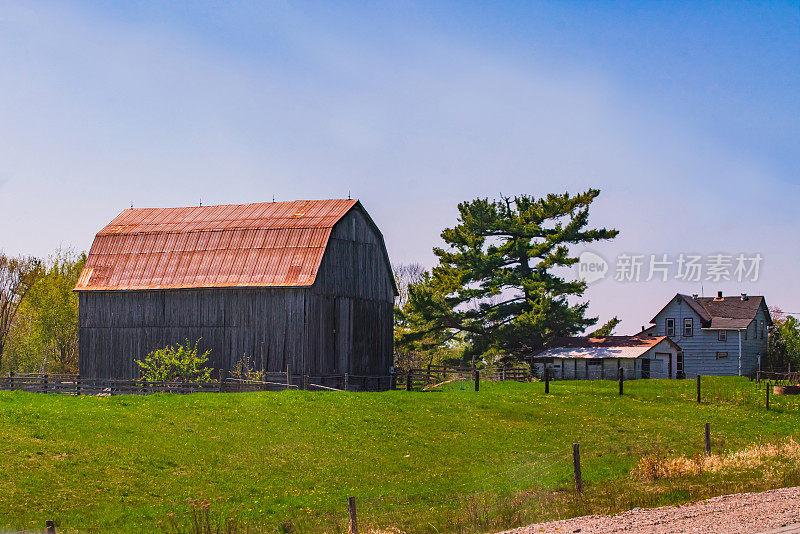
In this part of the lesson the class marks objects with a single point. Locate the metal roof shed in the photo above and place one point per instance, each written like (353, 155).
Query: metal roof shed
(601, 357)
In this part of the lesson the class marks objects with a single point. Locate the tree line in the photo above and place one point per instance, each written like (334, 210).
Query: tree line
(39, 313)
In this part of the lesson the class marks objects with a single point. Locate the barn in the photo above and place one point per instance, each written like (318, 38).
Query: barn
(303, 286)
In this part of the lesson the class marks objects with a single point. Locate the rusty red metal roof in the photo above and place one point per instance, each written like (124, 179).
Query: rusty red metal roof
(242, 245)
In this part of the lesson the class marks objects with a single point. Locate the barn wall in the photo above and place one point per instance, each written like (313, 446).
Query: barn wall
(353, 300)
(264, 325)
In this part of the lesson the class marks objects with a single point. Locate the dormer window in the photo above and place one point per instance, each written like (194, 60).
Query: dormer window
(688, 327)
(670, 328)
(722, 335)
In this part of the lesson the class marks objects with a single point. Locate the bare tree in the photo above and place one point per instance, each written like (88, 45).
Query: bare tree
(777, 314)
(17, 275)
(405, 274)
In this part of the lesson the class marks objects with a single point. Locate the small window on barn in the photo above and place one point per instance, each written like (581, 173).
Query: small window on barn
(762, 329)
(722, 355)
(688, 327)
(670, 330)
(722, 335)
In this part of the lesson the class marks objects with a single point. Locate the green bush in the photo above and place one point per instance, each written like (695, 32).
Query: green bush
(178, 362)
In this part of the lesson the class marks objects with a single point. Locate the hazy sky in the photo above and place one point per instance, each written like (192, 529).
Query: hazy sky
(685, 115)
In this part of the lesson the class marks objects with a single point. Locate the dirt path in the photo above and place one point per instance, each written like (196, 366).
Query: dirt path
(776, 511)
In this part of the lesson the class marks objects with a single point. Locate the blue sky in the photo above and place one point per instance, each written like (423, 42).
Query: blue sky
(684, 114)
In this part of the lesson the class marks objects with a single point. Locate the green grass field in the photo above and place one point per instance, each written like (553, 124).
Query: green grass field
(439, 461)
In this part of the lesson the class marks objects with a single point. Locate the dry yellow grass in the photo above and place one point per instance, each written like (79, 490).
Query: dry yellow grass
(657, 465)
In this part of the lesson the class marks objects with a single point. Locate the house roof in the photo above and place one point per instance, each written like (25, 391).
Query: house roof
(602, 347)
(726, 313)
(242, 245)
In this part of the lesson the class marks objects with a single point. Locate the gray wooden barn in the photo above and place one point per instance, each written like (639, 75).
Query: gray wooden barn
(305, 286)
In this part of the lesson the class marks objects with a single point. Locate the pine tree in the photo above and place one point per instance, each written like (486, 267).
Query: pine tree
(496, 285)
(607, 329)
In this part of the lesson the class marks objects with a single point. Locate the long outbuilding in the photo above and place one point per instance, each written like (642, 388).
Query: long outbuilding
(586, 358)
(304, 287)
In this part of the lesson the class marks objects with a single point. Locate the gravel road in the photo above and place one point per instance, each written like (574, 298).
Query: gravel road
(774, 512)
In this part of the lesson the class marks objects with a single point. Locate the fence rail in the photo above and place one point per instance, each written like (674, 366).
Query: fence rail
(76, 385)
(780, 379)
(418, 378)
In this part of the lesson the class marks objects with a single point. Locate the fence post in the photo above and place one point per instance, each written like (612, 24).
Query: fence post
(503, 378)
(621, 378)
(409, 384)
(576, 463)
(392, 380)
(477, 376)
(78, 384)
(768, 386)
(288, 378)
(698, 388)
(305, 382)
(351, 507)
(708, 439)
(44, 383)
(346, 380)
(546, 379)
(51, 528)
(11, 380)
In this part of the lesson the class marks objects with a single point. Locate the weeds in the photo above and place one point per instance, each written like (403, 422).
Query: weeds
(656, 465)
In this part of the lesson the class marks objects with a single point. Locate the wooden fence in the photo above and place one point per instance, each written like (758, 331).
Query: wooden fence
(436, 374)
(779, 379)
(420, 378)
(76, 385)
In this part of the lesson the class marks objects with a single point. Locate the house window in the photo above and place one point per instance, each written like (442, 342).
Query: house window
(745, 332)
(722, 335)
(762, 329)
(679, 364)
(688, 327)
(722, 355)
(670, 330)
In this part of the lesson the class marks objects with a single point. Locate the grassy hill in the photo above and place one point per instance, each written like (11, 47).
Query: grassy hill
(440, 461)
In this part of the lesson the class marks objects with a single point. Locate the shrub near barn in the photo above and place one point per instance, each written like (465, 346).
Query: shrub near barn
(177, 362)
